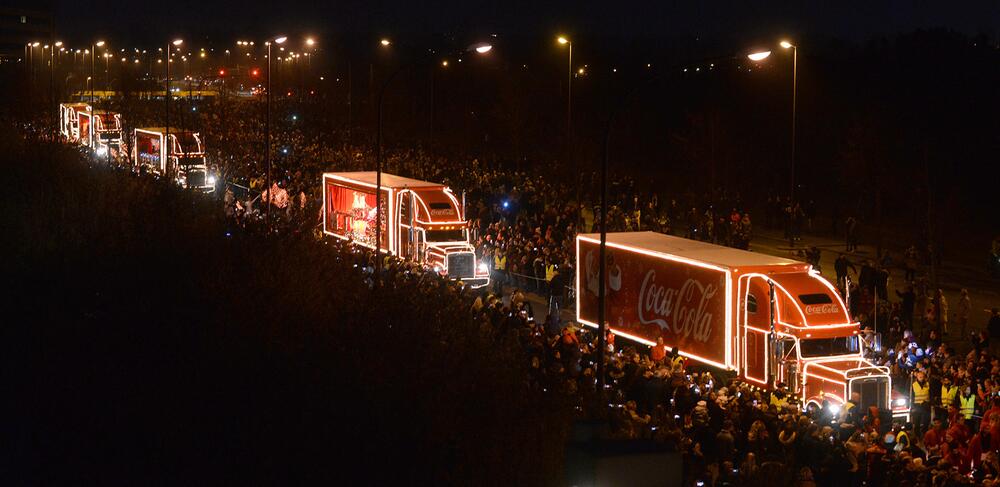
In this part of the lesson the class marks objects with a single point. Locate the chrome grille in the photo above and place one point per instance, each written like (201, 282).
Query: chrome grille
(461, 265)
(195, 179)
(874, 391)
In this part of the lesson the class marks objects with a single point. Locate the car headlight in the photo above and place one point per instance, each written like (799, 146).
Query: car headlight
(483, 267)
(834, 408)
(211, 180)
(901, 402)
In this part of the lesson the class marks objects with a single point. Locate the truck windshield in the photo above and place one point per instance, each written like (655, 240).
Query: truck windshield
(822, 347)
(191, 161)
(454, 235)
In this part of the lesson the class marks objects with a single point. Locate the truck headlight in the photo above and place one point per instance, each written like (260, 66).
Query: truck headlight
(437, 269)
(834, 408)
(483, 267)
(102, 151)
(211, 180)
(900, 402)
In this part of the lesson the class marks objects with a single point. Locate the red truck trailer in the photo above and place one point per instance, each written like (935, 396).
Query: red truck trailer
(767, 319)
(422, 221)
(185, 162)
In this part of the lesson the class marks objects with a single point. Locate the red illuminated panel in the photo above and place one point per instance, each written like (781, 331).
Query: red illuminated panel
(350, 213)
(649, 296)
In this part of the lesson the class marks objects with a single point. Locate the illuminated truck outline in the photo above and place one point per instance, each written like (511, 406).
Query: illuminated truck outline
(70, 122)
(186, 159)
(715, 304)
(438, 211)
(107, 133)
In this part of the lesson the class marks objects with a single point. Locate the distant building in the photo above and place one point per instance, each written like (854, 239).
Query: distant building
(20, 25)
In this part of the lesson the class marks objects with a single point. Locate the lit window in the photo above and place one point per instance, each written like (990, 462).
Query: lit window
(24, 19)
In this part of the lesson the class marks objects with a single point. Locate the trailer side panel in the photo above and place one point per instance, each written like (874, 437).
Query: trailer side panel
(651, 295)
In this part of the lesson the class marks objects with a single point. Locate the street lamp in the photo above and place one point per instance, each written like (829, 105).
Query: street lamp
(480, 49)
(602, 259)
(795, 84)
(93, 54)
(267, 130)
(166, 100)
(563, 40)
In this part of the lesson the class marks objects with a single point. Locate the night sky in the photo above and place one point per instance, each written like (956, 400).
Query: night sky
(854, 19)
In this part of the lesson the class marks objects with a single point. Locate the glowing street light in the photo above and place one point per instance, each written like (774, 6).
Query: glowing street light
(484, 48)
(166, 100)
(98, 43)
(563, 40)
(385, 42)
(267, 130)
(759, 55)
(310, 41)
(795, 86)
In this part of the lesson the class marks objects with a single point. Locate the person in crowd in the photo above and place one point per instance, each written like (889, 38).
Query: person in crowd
(851, 227)
(921, 401)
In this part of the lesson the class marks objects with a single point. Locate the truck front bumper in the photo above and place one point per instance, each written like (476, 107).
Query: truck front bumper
(476, 282)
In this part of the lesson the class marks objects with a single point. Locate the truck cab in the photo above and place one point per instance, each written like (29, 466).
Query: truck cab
(180, 155)
(795, 329)
(422, 221)
(107, 133)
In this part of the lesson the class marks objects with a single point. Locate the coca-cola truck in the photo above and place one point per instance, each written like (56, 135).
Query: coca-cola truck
(107, 130)
(422, 221)
(185, 161)
(74, 122)
(768, 319)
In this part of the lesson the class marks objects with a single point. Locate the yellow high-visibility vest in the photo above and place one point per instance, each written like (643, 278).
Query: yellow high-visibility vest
(903, 436)
(780, 403)
(677, 361)
(921, 394)
(550, 272)
(499, 262)
(948, 395)
(968, 406)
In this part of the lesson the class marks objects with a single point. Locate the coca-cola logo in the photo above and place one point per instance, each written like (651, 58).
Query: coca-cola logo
(820, 309)
(444, 212)
(680, 311)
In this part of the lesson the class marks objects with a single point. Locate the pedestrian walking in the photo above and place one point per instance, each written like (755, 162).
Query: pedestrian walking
(851, 227)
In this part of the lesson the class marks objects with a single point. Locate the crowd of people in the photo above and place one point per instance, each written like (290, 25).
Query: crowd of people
(729, 433)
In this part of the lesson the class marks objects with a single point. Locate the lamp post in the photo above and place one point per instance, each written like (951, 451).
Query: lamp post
(795, 89)
(602, 262)
(166, 100)
(480, 49)
(267, 130)
(563, 40)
